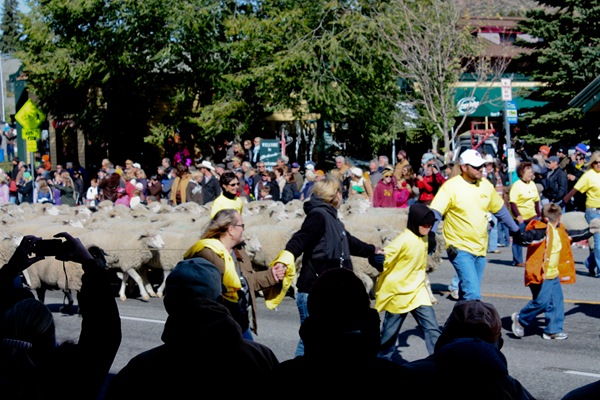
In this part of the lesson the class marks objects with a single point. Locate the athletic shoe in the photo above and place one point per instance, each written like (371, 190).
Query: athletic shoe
(517, 328)
(454, 294)
(495, 251)
(555, 336)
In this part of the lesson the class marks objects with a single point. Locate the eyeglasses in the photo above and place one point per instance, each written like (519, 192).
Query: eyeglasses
(477, 168)
(234, 184)
(242, 225)
(262, 166)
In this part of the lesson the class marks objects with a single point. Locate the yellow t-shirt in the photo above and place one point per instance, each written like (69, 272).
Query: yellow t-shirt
(524, 195)
(589, 183)
(555, 248)
(464, 207)
(401, 285)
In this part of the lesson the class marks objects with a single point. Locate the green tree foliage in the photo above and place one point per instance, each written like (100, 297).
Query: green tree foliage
(566, 59)
(10, 27)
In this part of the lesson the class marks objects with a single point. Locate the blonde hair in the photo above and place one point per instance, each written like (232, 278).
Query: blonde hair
(220, 223)
(327, 190)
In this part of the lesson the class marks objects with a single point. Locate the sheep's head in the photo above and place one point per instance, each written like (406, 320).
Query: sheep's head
(253, 245)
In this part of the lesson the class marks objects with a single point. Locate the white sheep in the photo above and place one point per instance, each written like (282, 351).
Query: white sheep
(128, 251)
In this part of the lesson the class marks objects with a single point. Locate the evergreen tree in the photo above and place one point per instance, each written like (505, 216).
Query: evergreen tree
(10, 27)
(566, 59)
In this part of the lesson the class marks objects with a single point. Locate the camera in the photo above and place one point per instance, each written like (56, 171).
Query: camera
(49, 247)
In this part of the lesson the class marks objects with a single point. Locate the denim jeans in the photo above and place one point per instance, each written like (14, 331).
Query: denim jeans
(503, 234)
(301, 303)
(427, 321)
(549, 301)
(493, 235)
(469, 269)
(454, 283)
(517, 251)
(593, 261)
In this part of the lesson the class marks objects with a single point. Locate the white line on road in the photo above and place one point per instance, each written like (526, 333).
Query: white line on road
(582, 373)
(158, 321)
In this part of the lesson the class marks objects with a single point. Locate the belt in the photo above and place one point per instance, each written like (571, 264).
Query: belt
(592, 208)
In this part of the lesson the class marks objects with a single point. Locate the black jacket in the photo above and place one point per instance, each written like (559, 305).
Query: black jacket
(87, 362)
(324, 243)
(203, 346)
(556, 185)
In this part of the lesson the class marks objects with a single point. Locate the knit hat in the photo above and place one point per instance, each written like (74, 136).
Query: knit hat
(320, 172)
(387, 172)
(472, 318)
(545, 150)
(26, 175)
(582, 148)
(192, 279)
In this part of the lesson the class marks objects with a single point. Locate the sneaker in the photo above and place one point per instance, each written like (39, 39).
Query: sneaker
(555, 336)
(517, 328)
(454, 294)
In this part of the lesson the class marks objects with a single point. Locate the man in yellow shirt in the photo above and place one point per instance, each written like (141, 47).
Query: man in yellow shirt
(589, 183)
(463, 203)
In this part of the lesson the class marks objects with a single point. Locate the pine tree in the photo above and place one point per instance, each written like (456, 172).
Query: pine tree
(566, 59)
(10, 27)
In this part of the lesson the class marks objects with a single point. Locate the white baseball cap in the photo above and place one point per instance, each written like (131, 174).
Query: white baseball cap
(471, 157)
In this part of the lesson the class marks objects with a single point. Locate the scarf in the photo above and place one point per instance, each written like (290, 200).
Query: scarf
(231, 279)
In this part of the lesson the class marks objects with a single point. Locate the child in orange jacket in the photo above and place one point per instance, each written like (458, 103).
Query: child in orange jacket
(549, 264)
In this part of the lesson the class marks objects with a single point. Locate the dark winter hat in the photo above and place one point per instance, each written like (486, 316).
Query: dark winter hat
(190, 280)
(472, 318)
(339, 299)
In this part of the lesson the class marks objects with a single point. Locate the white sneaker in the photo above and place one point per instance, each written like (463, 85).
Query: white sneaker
(555, 336)
(517, 328)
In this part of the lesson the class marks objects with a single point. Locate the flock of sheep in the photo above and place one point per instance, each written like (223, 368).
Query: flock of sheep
(154, 238)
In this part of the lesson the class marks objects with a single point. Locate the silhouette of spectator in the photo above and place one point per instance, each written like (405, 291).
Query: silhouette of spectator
(469, 346)
(31, 362)
(341, 341)
(202, 342)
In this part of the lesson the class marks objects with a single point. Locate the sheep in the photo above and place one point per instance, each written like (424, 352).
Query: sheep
(127, 250)
(52, 274)
(165, 259)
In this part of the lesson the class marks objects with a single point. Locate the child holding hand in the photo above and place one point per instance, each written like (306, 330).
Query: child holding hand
(549, 264)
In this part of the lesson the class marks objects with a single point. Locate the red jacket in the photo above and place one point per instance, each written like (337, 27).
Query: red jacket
(538, 258)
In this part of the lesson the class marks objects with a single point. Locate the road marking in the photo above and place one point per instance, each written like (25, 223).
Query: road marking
(158, 321)
(506, 296)
(582, 373)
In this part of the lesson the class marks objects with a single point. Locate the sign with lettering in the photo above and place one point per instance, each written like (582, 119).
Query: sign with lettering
(270, 150)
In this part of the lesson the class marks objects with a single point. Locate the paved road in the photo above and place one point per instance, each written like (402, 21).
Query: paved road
(547, 368)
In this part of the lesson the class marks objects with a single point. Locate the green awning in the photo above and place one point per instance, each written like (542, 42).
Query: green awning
(487, 102)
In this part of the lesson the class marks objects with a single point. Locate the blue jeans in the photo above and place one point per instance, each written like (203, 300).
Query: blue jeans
(469, 268)
(427, 321)
(493, 235)
(247, 334)
(503, 234)
(593, 261)
(301, 303)
(517, 251)
(10, 151)
(454, 284)
(549, 301)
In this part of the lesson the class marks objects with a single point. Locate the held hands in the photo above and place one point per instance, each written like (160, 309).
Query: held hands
(278, 271)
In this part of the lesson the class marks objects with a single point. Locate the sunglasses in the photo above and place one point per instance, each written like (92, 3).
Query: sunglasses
(234, 184)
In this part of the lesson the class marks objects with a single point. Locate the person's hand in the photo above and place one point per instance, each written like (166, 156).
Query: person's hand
(278, 271)
(520, 219)
(74, 250)
(379, 250)
(22, 258)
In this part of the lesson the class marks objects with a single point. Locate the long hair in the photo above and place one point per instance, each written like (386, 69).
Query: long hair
(219, 224)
